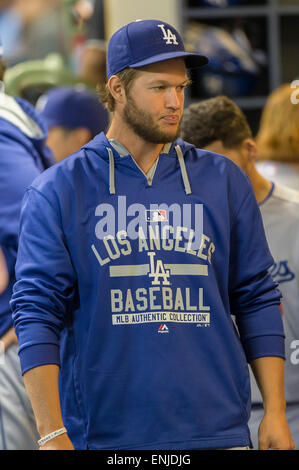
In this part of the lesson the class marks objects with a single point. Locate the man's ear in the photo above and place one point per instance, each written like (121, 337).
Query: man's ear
(250, 148)
(116, 89)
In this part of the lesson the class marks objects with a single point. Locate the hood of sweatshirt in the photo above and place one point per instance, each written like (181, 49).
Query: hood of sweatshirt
(23, 156)
(20, 122)
(116, 154)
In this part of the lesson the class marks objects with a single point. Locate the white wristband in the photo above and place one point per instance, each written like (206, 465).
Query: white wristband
(51, 436)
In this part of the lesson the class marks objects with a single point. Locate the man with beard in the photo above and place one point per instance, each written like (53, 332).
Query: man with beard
(138, 329)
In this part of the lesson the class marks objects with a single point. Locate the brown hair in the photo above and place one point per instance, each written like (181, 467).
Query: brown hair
(278, 135)
(127, 77)
(217, 118)
(2, 69)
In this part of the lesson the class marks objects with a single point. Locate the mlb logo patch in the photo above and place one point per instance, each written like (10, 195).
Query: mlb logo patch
(156, 215)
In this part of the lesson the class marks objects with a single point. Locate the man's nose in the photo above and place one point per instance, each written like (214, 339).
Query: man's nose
(173, 99)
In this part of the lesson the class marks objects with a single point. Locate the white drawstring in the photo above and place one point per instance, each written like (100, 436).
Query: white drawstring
(181, 162)
(183, 169)
(111, 171)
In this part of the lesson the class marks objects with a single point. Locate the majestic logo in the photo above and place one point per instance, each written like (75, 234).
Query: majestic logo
(281, 272)
(168, 35)
(163, 328)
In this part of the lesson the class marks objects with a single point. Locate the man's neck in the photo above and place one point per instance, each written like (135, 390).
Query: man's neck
(261, 186)
(144, 153)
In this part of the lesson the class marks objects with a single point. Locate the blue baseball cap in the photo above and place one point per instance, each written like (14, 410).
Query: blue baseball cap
(72, 107)
(145, 42)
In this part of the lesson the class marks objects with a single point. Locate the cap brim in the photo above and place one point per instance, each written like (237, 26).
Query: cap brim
(192, 60)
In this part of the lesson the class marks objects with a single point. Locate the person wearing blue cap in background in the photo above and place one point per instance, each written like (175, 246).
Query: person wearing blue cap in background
(3, 272)
(74, 116)
(123, 317)
(23, 156)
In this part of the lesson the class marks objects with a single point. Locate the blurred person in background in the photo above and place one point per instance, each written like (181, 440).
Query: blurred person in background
(32, 29)
(74, 116)
(96, 23)
(3, 272)
(23, 156)
(219, 126)
(278, 138)
(3, 267)
(11, 25)
(93, 63)
(92, 60)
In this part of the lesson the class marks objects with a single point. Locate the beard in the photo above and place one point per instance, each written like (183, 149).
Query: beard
(142, 123)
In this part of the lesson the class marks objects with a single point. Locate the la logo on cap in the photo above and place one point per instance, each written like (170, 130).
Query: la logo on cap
(168, 36)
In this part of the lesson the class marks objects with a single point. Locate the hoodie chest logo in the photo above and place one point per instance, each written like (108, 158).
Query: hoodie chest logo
(153, 285)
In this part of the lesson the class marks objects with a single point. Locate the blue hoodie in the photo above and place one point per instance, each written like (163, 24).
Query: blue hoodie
(23, 156)
(136, 307)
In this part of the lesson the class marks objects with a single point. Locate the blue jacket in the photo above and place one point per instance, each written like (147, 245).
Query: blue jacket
(136, 307)
(23, 156)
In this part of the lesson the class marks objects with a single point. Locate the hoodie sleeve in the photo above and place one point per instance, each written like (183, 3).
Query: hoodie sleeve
(254, 297)
(45, 279)
(18, 170)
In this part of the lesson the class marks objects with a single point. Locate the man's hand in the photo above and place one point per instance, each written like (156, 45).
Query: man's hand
(9, 338)
(61, 442)
(42, 387)
(274, 432)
